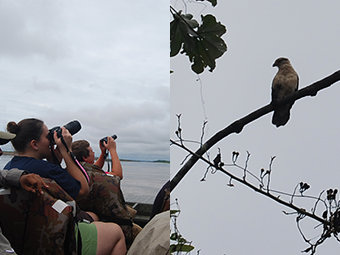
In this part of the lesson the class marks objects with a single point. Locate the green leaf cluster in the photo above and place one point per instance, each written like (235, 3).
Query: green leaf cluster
(181, 248)
(179, 243)
(201, 43)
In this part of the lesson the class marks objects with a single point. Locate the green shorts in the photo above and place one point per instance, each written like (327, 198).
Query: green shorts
(88, 233)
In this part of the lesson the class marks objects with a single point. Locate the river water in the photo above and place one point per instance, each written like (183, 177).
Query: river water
(142, 180)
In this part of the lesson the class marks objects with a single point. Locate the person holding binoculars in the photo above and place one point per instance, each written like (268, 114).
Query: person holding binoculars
(84, 153)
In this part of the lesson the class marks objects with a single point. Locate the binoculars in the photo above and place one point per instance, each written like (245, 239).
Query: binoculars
(105, 139)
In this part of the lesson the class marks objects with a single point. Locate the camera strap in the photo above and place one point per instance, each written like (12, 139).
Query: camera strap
(74, 159)
(64, 143)
(54, 157)
(80, 167)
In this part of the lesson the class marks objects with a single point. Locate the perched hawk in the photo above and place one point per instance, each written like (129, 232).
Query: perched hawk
(285, 82)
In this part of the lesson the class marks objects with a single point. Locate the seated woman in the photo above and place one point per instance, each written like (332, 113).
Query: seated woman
(33, 145)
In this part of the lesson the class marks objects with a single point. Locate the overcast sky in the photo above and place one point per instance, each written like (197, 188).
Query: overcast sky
(103, 63)
(237, 221)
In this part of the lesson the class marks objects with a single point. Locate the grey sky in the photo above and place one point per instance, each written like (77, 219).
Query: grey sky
(223, 220)
(100, 62)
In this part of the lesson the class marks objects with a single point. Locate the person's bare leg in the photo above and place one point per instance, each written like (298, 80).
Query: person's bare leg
(93, 215)
(110, 239)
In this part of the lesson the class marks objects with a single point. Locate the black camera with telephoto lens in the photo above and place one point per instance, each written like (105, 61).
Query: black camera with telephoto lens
(105, 139)
(73, 127)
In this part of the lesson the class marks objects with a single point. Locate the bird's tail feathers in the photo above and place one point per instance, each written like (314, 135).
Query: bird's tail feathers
(281, 116)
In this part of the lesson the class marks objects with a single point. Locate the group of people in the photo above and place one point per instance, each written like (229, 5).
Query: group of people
(33, 146)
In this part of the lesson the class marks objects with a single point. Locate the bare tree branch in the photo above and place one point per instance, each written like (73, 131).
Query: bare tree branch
(266, 193)
(237, 126)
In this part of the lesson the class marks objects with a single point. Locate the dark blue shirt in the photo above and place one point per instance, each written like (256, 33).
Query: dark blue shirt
(48, 170)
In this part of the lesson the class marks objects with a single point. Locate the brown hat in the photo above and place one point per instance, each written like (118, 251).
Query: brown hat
(5, 137)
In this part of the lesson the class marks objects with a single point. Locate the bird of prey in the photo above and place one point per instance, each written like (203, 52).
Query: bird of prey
(285, 82)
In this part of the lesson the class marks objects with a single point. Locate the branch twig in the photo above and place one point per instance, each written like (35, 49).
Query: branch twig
(300, 211)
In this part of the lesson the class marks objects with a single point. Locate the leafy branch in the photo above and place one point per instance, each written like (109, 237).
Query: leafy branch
(178, 243)
(201, 43)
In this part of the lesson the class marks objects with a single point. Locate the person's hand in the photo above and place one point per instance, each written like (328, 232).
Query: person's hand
(67, 138)
(32, 183)
(57, 153)
(102, 148)
(110, 144)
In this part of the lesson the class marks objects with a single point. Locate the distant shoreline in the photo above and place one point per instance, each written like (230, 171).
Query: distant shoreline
(9, 153)
(13, 153)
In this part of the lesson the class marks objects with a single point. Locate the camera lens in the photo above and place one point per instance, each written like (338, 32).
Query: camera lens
(73, 127)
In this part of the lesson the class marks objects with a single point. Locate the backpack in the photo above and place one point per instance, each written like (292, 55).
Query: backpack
(33, 226)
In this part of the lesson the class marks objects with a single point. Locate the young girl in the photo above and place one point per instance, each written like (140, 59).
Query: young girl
(33, 145)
